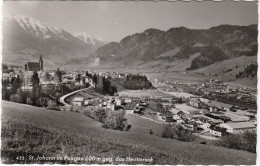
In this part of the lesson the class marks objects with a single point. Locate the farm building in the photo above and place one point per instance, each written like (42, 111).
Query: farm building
(238, 127)
(78, 101)
(195, 102)
(217, 131)
(128, 100)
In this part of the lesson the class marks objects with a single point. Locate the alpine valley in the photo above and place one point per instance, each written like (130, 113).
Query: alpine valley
(224, 51)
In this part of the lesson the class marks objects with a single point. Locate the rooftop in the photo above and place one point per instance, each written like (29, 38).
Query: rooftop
(79, 99)
(241, 125)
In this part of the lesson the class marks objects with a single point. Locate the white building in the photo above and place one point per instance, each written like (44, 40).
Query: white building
(118, 101)
(78, 101)
(217, 131)
(205, 126)
(238, 127)
(128, 100)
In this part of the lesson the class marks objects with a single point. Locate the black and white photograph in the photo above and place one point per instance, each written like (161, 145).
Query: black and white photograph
(129, 82)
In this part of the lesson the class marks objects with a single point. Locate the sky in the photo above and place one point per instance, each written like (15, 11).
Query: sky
(113, 21)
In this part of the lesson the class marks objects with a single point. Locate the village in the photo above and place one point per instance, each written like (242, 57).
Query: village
(167, 102)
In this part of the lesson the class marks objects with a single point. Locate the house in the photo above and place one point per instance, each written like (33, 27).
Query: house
(118, 108)
(129, 111)
(205, 126)
(168, 118)
(128, 100)
(217, 131)
(238, 127)
(195, 102)
(176, 117)
(218, 116)
(174, 111)
(87, 102)
(78, 101)
(118, 101)
(233, 109)
(111, 105)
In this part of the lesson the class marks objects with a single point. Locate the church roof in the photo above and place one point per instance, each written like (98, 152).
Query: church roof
(33, 66)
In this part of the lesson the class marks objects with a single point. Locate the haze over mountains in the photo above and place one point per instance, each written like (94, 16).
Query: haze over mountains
(199, 47)
(177, 49)
(25, 38)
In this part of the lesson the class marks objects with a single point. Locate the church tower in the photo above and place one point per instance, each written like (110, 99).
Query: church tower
(41, 63)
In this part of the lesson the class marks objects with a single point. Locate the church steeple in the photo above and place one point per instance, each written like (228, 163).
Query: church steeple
(41, 63)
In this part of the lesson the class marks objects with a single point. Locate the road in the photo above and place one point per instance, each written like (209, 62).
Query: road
(62, 98)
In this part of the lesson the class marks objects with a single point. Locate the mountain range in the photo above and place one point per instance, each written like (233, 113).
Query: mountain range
(200, 48)
(25, 38)
(177, 49)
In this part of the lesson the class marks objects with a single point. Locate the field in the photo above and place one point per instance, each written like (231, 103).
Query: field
(143, 93)
(178, 76)
(28, 130)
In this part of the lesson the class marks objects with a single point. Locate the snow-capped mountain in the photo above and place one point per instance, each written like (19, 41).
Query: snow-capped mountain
(36, 28)
(25, 38)
(97, 42)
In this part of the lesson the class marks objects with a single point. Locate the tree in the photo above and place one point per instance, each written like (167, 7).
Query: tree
(78, 78)
(35, 87)
(16, 84)
(95, 79)
(242, 141)
(177, 132)
(46, 76)
(20, 96)
(115, 120)
(58, 75)
(35, 79)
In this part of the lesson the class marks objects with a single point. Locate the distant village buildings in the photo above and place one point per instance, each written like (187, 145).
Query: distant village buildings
(29, 68)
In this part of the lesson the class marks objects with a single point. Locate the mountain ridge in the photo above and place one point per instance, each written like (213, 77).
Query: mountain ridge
(25, 38)
(215, 44)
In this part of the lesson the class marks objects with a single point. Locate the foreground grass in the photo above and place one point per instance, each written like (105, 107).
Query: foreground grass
(46, 132)
(21, 141)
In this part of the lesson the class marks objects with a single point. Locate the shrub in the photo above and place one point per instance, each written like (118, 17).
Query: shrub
(151, 131)
(168, 132)
(14, 98)
(99, 114)
(51, 104)
(243, 141)
(28, 101)
(6, 94)
(87, 111)
(115, 120)
(177, 132)
(76, 109)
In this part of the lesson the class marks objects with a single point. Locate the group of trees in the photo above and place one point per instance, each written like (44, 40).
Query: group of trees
(250, 70)
(133, 82)
(104, 85)
(108, 87)
(110, 119)
(15, 83)
(243, 141)
(111, 85)
(177, 132)
(16, 94)
(6, 69)
(58, 75)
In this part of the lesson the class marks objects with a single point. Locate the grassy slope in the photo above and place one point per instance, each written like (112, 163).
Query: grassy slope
(89, 133)
(240, 62)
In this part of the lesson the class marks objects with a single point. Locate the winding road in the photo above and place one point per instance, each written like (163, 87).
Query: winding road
(62, 98)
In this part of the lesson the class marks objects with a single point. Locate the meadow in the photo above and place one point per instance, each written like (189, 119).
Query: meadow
(143, 93)
(28, 130)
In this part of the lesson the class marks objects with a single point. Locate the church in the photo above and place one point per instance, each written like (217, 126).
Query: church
(29, 68)
(34, 66)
